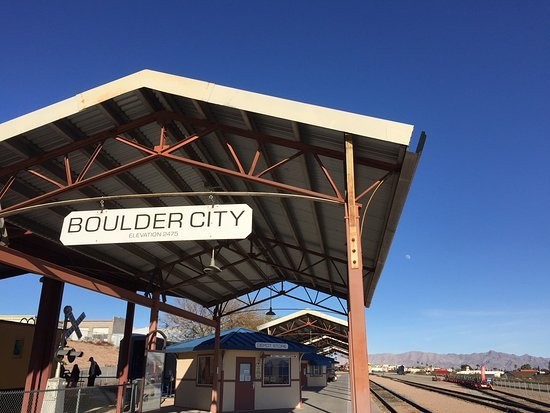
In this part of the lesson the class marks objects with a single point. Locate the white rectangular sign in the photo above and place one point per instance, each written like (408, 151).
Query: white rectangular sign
(272, 346)
(182, 223)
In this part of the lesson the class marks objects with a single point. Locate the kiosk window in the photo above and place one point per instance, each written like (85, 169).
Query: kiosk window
(205, 371)
(276, 371)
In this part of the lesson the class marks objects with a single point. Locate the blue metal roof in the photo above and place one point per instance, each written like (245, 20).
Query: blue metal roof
(240, 339)
(318, 359)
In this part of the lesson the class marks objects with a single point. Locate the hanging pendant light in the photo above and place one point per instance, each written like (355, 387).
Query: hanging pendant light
(212, 268)
(270, 312)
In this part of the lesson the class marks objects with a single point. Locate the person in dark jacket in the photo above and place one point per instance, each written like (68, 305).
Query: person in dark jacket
(92, 371)
(74, 377)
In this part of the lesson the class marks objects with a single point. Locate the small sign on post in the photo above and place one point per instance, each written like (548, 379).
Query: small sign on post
(183, 223)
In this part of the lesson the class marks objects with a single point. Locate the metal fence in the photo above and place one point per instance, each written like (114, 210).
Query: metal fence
(534, 387)
(68, 400)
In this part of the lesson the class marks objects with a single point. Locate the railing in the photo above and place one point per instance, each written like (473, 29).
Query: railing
(528, 386)
(69, 400)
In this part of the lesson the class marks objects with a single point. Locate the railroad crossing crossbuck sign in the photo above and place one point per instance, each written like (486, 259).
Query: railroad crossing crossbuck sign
(68, 310)
(63, 350)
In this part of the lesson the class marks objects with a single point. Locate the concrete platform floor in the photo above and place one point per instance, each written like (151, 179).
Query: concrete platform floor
(334, 398)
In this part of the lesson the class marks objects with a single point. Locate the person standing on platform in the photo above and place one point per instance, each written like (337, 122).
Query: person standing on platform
(74, 377)
(93, 372)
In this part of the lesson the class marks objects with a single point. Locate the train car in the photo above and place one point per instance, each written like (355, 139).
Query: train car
(440, 374)
(401, 369)
(474, 381)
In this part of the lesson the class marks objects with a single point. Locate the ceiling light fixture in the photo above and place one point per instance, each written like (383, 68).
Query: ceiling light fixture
(212, 268)
(270, 312)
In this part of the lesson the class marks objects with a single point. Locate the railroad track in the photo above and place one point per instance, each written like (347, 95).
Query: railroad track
(393, 401)
(537, 404)
(486, 398)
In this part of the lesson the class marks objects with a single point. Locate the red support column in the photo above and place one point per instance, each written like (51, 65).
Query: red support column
(154, 321)
(215, 406)
(350, 352)
(43, 343)
(124, 357)
(358, 357)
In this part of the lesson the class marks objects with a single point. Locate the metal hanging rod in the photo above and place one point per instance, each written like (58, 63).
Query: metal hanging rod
(162, 195)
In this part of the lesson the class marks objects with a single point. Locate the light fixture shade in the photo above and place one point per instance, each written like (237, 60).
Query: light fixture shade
(270, 312)
(212, 268)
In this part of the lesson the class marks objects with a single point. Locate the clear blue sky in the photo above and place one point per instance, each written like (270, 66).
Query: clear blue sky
(468, 270)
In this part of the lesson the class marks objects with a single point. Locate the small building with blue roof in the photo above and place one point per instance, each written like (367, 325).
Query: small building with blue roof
(258, 371)
(319, 370)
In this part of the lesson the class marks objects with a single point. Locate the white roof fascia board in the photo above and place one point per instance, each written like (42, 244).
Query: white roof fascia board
(401, 191)
(300, 313)
(315, 340)
(386, 130)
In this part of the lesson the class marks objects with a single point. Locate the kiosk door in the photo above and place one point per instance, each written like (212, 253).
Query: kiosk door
(303, 374)
(244, 384)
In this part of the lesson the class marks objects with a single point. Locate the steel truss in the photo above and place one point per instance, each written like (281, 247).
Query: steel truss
(313, 297)
(68, 179)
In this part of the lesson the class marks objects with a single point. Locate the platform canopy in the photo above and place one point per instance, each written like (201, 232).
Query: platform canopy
(323, 331)
(154, 140)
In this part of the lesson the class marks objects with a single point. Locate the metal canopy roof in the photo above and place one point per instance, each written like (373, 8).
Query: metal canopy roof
(240, 338)
(318, 359)
(152, 139)
(311, 327)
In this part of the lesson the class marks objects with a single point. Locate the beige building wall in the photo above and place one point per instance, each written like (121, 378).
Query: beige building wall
(188, 394)
(102, 330)
(317, 381)
(15, 354)
(272, 397)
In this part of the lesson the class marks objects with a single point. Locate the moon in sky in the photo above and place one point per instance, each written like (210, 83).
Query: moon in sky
(408, 256)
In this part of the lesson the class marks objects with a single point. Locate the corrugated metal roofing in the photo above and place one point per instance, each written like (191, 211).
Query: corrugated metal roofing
(248, 143)
(238, 339)
(318, 359)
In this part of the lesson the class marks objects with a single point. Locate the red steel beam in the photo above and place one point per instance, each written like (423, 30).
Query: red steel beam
(262, 137)
(359, 371)
(315, 331)
(167, 152)
(123, 370)
(278, 164)
(63, 150)
(80, 184)
(152, 156)
(246, 177)
(216, 403)
(35, 265)
(153, 322)
(327, 175)
(43, 344)
(299, 327)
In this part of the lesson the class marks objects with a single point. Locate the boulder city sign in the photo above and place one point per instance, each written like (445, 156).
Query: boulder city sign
(182, 223)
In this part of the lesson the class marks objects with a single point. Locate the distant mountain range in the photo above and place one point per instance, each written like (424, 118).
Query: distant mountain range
(491, 359)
